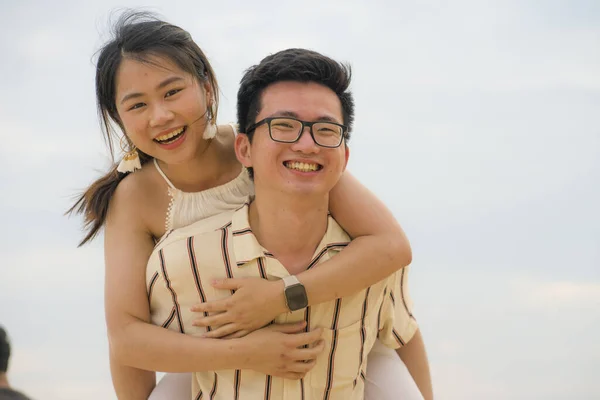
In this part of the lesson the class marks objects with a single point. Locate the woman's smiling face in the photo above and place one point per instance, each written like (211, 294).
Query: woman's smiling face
(163, 109)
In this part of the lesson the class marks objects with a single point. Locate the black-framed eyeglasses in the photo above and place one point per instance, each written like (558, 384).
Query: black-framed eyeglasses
(289, 130)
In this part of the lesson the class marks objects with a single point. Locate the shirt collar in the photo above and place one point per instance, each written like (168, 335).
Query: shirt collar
(246, 247)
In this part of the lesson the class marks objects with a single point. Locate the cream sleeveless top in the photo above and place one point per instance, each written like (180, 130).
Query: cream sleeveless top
(186, 208)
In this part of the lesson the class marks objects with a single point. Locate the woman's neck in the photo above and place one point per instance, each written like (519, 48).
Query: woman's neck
(206, 170)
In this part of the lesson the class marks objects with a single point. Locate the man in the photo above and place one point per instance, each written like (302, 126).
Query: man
(6, 392)
(296, 113)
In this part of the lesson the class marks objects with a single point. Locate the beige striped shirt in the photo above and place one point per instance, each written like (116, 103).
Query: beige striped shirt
(179, 274)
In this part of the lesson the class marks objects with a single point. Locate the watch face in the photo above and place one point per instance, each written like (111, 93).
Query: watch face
(296, 297)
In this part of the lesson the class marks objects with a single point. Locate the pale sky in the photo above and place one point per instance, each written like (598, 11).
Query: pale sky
(475, 123)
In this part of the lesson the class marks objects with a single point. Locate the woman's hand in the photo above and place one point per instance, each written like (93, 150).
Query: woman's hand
(255, 303)
(282, 350)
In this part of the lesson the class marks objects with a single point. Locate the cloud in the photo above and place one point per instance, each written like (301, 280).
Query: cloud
(476, 123)
(549, 295)
(454, 381)
(488, 319)
(46, 45)
(89, 379)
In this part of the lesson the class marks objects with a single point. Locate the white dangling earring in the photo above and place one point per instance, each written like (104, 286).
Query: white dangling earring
(131, 159)
(211, 124)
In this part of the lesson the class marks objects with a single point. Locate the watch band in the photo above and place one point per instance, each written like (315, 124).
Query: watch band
(290, 281)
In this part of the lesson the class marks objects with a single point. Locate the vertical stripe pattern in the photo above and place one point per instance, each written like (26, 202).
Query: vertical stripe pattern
(173, 294)
(229, 272)
(215, 386)
(151, 287)
(226, 247)
(402, 292)
(194, 267)
(268, 387)
(363, 331)
(331, 364)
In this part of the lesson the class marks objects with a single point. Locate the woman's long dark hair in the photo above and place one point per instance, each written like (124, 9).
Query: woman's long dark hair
(138, 36)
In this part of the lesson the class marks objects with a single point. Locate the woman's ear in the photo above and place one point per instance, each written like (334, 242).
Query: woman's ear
(208, 96)
(243, 149)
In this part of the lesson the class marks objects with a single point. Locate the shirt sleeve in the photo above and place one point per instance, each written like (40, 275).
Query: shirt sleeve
(159, 297)
(397, 324)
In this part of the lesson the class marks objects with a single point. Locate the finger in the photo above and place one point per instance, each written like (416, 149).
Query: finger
(221, 331)
(213, 320)
(237, 335)
(228, 283)
(308, 354)
(212, 306)
(306, 338)
(288, 328)
(303, 367)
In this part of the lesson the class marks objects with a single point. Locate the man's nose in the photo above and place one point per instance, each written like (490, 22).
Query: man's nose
(306, 142)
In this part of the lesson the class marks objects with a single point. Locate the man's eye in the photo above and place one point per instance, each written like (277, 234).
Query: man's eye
(172, 92)
(281, 125)
(136, 106)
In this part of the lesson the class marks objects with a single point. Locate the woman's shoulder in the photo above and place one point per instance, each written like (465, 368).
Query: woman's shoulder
(137, 190)
(139, 180)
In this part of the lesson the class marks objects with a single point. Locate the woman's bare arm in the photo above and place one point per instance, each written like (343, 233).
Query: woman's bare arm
(378, 249)
(127, 247)
(135, 342)
(414, 356)
(131, 383)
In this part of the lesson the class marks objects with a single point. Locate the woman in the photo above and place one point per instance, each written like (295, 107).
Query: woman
(156, 84)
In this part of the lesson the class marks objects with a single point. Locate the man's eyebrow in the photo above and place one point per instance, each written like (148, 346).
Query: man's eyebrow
(283, 114)
(161, 85)
(324, 118)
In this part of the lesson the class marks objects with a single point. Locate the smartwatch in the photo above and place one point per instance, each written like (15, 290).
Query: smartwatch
(295, 293)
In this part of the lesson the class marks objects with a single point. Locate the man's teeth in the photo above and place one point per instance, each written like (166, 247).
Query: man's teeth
(300, 166)
(170, 135)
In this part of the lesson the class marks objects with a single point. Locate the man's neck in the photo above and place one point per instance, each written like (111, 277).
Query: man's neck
(4, 381)
(289, 227)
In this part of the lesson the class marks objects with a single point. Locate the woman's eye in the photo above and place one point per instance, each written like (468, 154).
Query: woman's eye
(172, 92)
(136, 106)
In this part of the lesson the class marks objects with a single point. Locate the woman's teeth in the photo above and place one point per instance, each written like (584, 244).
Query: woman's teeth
(303, 167)
(170, 137)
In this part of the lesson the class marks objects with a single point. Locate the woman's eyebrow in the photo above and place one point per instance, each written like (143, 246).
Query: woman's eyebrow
(161, 85)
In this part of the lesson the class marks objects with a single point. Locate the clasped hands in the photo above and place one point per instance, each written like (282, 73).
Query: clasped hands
(255, 303)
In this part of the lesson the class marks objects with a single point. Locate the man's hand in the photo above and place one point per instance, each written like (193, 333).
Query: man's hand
(255, 303)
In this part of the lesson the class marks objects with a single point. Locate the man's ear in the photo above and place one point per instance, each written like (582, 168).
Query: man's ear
(346, 155)
(242, 149)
